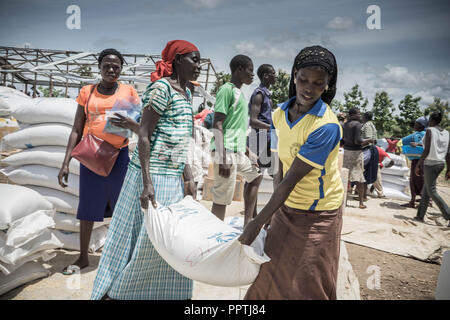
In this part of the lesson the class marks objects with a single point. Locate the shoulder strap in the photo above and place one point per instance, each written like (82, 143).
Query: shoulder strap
(86, 107)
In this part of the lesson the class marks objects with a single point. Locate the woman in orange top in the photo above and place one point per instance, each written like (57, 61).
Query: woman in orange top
(98, 194)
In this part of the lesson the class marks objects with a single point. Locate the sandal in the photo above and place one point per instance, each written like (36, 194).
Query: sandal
(70, 270)
(362, 206)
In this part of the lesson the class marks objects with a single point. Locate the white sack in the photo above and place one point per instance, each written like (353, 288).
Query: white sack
(10, 99)
(48, 134)
(43, 176)
(43, 110)
(28, 228)
(27, 273)
(71, 240)
(10, 268)
(399, 160)
(50, 156)
(398, 180)
(396, 170)
(69, 222)
(202, 247)
(62, 201)
(11, 255)
(18, 202)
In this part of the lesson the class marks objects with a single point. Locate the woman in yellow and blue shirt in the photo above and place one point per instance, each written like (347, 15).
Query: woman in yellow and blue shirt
(305, 210)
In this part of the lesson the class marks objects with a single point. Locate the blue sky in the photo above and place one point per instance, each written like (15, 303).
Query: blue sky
(409, 54)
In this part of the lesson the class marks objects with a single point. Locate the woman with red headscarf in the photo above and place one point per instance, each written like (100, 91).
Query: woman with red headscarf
(130, 268)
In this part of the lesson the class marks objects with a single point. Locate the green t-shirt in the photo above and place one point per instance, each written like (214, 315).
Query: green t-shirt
(231, 102)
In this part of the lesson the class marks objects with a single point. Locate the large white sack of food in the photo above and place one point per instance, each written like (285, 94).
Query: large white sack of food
(47, 134)
(50, 156)
(10, 99)
(43, 176)
(17, 202)
(28, 228)
(62, 201)
(399, 160)
(71, 240)
(11, 255)
(28, 272)
(197, 244)
(400, 180)
(44, 110)
(69, 222)
(396, 171)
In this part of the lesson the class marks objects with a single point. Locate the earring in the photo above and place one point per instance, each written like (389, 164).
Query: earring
(295, 81)
(326, 88)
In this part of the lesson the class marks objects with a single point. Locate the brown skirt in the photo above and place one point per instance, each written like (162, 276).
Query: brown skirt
(304, 250)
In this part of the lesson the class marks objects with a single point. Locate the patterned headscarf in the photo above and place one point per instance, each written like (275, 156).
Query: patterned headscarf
(164, 67)
(316, 56)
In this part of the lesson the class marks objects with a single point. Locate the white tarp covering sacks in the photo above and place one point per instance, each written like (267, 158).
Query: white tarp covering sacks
(43, 110)
(18, 202)
(10, 99)
(62, 201)
(47, 134)
(202, 247)
(50, 156)
(26, 273)
(43, 176)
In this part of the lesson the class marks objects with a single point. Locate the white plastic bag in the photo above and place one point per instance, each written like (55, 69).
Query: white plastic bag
(43, 176)
(17, 202)
(202, 247)
(48, 134)
(50, 156)
(44, 110)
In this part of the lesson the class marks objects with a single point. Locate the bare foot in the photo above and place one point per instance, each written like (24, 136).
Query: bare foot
(408, 205)
(362, 206)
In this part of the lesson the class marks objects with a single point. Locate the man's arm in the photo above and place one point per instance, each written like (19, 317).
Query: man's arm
(255, 108)
(425, 153)
(224, 168)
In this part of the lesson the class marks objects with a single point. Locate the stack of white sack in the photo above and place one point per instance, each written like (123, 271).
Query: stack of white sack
(25, 219)
(10, 99)
(395, 180)
(198, 245)
(46, 124)
(199, 157)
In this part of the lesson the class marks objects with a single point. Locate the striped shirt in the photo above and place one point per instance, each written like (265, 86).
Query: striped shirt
(314, 138)
(169, 143)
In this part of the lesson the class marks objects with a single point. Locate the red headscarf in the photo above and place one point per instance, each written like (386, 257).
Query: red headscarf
(174, 47)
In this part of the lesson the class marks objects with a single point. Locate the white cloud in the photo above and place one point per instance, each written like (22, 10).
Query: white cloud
(265, 50)
(340, 23)
(203, 3)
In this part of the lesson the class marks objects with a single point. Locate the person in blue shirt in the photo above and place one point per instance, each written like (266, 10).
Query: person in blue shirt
(412, 148)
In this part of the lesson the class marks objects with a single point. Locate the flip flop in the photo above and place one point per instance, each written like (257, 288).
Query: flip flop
(70, 270)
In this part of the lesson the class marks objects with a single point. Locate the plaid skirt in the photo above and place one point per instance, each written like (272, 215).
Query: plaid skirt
(130, 267)
(354, 162)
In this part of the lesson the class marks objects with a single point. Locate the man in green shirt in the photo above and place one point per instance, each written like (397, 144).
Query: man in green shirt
(229, 144)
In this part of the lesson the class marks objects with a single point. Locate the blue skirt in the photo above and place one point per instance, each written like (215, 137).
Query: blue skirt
(98, 195)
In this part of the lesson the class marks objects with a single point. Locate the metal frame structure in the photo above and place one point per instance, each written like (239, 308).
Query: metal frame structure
(74, 69)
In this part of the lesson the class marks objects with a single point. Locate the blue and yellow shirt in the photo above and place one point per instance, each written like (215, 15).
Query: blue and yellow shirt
(314, 138)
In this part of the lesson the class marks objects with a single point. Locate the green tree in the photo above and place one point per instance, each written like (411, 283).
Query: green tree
(54, 93)
(355, 99)
(85, 71)
(443, 108)
(409, 111)
(221, 79)
(383, 109)
(336, 106)
(280, 90)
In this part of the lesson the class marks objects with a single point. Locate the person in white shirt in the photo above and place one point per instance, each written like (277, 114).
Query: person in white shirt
(435, 154)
